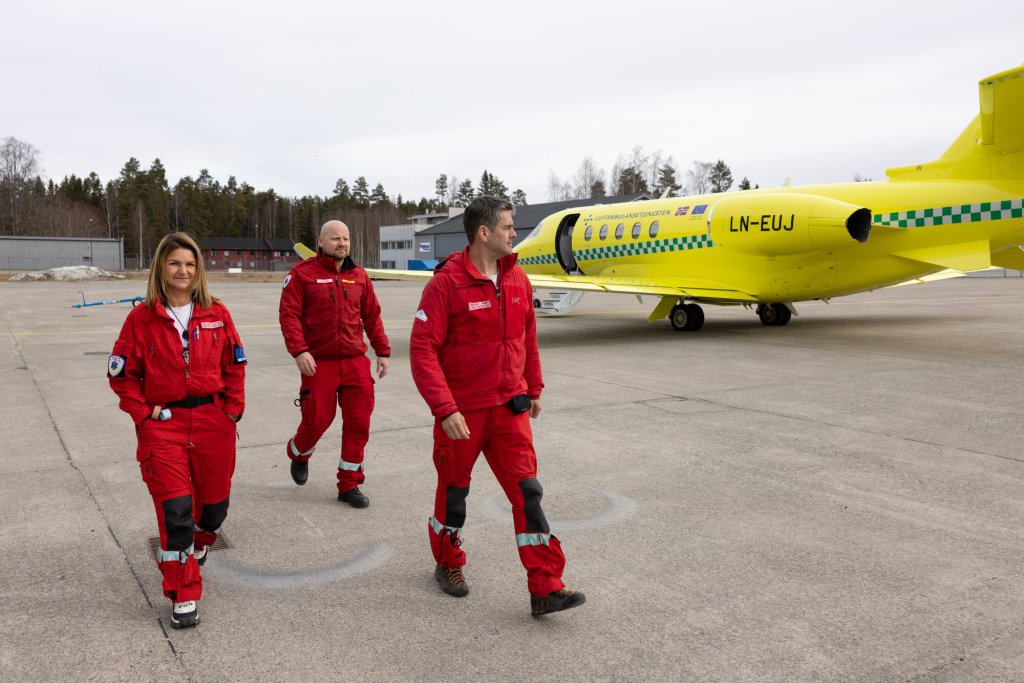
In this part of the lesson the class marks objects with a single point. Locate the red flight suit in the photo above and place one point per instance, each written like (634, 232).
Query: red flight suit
(473, 348)
(187, 460)
(324, 311)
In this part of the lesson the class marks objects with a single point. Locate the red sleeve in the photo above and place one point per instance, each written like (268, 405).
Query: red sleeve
(125, 371)
(532, 373)
(374, 326)
(429, 332)
(233, 362)
(290, 314)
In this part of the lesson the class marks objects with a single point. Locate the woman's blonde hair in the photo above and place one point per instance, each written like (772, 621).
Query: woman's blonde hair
(157, 288)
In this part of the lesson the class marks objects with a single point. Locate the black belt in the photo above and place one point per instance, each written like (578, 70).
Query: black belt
(190, 402)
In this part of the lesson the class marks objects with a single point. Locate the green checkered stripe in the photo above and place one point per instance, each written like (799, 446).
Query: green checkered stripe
(650, 247)
(948, 215)
(541, 260)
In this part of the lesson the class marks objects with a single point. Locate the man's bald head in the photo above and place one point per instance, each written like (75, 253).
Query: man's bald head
(335, 241)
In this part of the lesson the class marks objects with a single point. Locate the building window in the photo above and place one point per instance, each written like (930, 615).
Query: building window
(619, 230)
(654, 230)
(636, 230)
(227, 253)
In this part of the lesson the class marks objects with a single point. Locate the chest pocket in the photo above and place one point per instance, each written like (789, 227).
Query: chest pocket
(351, 293)
(517, 300)
(477, 315)
(318, 294)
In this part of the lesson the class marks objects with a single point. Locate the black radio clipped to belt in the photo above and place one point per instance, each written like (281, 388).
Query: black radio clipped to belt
(520, 403)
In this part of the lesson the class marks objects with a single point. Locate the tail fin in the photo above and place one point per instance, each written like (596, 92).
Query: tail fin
(992, 145)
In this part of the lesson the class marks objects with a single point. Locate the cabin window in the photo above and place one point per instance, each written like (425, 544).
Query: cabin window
(636, 230)
(619, 230)
(588, 232)
(654, 230)
(604, 232)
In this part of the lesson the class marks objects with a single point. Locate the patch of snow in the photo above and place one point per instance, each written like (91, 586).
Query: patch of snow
(69, 274)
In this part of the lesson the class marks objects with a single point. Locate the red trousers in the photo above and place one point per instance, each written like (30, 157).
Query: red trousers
(345, 384)
(187, 463)
(507, 443)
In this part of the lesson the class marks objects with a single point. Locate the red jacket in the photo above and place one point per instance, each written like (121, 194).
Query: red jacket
(473, 346)
(146, 367)
(325, 311)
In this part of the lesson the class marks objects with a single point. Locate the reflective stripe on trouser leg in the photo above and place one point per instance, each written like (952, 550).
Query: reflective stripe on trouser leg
(356, 399)
(179, 556)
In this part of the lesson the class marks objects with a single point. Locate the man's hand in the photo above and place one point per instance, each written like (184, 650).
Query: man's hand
(382, 367)
(455, 426)
(306, 364)
(534, 407)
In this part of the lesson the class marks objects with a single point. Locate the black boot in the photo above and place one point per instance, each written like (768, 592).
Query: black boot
(300, 471)
(354, 497)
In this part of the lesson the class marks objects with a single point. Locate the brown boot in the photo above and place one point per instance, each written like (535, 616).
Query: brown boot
(556, 601)
(452, 581)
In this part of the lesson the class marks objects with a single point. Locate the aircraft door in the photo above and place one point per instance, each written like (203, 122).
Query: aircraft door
(563, 244)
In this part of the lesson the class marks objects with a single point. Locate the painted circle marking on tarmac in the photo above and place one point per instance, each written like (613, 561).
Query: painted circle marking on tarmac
(617, 508)
(369, 558)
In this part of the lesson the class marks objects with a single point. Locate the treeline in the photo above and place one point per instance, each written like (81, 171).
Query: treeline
(140, 205)
(641, 172)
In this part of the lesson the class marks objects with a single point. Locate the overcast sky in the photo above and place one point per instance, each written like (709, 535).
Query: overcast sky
(294, 95)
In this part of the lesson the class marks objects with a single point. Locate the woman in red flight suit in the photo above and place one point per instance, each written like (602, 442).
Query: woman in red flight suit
(179, 369)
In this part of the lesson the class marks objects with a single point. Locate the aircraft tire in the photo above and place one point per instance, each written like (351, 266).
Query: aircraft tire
(679, 316)
(774, 315)
(696, 317)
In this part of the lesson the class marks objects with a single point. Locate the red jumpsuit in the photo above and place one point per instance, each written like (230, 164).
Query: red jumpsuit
(473, 348)
(187, 460)
(325, 311)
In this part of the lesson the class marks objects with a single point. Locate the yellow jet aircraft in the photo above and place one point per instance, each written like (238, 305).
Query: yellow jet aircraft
(769, 248)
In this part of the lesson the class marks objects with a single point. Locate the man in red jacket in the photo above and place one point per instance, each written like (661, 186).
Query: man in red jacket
(326, 304)
(475, 362)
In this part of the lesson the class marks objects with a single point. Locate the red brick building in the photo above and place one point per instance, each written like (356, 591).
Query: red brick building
(247, 253)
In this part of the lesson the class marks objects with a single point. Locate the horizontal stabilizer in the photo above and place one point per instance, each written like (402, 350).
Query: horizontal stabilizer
(963, 256)
(1012, 258)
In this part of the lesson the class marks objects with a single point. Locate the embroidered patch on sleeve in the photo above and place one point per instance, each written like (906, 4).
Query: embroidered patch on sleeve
(420, 315)
(115, 365)
(287, 279)
(240, 355)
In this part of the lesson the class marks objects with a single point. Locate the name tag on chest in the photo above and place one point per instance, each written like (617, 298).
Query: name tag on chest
(477, 305)
(320, 281)
(212, 326)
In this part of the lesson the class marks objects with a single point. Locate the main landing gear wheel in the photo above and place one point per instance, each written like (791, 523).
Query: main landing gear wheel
(774, 315)
(686, 317)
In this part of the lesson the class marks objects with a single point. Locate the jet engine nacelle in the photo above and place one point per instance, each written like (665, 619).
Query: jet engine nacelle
(780, 224)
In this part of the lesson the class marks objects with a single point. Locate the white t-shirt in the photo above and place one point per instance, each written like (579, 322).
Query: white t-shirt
(181, 315)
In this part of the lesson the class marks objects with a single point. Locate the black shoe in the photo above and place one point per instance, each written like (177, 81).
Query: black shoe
(184, 614)
(300, 471)
(354, 497)
(201, 553)
(561, 599)
(452, 581)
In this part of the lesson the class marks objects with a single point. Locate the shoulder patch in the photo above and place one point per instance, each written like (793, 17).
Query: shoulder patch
(240, 355)
(115, 365)
(420, 315)
(287, 279)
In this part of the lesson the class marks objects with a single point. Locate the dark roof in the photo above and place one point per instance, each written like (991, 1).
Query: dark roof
(250, 243)
(528, 216)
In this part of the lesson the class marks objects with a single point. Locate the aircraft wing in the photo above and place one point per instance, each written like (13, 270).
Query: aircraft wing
(673, 287)
(670, 287)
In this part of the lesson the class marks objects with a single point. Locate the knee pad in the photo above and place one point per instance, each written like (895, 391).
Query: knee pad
(213, 515)
(178, 522)
(455, 506)
(532, 493)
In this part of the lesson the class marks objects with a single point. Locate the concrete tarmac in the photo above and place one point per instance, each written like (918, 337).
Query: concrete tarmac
(839, 499)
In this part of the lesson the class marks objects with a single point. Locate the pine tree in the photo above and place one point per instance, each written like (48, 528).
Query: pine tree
(466, 193)
(721, 177)
(518, 198)
(441, 190)
(744, 184)
(361, 193)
